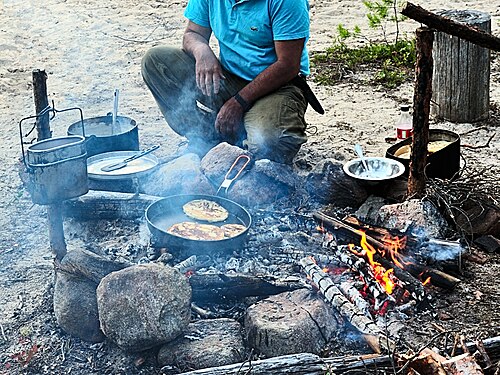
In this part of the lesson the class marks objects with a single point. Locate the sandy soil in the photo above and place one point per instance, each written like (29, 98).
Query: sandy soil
(89, 48)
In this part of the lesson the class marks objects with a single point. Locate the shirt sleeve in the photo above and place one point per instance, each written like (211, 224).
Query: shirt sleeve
(197, 11)
(289, 19)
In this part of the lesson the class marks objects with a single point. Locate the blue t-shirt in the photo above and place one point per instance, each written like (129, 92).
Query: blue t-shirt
(246, 30)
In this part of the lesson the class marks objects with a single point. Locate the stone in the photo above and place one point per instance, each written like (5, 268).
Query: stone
(488, 243)
(205, 343)
(420, 217)
(368, 211)
(289, 323)
(179, 176)
(478, 219)
(143, 306)
(327, 183)
(75, 299)
(216, 163)
(75, 306)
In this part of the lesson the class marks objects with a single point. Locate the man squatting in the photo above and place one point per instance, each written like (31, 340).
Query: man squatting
(255, 89)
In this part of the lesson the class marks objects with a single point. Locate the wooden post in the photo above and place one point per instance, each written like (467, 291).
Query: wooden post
(54, 211)
(421, 109)
(461, 84)
(41, 102)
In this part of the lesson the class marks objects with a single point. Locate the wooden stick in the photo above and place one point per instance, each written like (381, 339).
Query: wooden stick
(41, 102)
(301, 364)
(451, 27)
(372, 334)
(421, 110)
(56, 231)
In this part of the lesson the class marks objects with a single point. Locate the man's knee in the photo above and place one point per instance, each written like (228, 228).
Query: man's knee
(156, 58)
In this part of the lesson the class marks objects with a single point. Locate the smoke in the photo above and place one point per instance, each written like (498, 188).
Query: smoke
(437, 249)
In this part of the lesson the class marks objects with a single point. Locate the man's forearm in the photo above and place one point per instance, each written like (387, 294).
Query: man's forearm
(271, 79)
(194, 44)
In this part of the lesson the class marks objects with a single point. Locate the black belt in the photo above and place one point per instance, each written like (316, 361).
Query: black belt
(301, 83)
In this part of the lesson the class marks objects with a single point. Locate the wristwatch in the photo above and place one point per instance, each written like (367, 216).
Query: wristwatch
(244, 104)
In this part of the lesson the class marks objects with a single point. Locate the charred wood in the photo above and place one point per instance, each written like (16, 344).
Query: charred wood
(217, 287)
(451, 27)
(350, 291)
(302, 364)
(108, 205)
(413, 285)
(372, 334)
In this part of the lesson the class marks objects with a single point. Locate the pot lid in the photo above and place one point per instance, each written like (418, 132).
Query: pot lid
(133, 169)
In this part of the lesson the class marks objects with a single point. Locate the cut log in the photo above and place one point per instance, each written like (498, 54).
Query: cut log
(461, 83)
(302, 364)
(217, 287)
(372, 334)
(421, 109)
(451, 27)
(108, 205)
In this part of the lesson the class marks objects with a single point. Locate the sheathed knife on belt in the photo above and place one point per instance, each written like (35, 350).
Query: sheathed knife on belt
(301, 83)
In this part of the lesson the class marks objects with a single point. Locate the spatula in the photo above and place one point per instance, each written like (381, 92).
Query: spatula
(124, 162)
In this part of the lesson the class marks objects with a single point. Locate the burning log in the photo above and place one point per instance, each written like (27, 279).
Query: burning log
(346, 257)
(215, 287)
(438, 278)
(302, 363)
(372, 334)
(353, 295)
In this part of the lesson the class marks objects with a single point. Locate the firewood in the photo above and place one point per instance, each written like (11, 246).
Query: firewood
(372, 334)
(108, 205)
(463, 364)
(451, 27)
(217, 287)
(414, 286)
(302, 363)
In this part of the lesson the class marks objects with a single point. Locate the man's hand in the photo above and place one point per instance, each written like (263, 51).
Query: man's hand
(229, 120)
(208, 69)
(208, 72)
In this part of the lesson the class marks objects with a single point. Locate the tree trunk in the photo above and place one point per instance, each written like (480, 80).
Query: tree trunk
(461, 85)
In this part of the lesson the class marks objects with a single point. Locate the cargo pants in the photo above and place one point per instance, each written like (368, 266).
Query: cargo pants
(274, 128)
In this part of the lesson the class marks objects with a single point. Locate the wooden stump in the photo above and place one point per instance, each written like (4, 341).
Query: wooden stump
(461, 84)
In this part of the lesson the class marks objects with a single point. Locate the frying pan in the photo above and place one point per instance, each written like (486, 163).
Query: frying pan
(165, 212)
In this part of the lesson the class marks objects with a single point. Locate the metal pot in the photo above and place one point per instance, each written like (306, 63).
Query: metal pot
(57, 168)
(165, 212)
(103, 136)
(444, 163)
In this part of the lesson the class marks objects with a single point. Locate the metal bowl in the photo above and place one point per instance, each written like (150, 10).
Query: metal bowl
(381, 169)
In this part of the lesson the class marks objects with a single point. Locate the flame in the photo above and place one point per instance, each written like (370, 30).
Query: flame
(427, 281)
(394, 245)
(382, 276)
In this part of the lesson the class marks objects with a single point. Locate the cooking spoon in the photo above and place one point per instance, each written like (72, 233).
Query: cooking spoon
(359, 151)
(124, 162)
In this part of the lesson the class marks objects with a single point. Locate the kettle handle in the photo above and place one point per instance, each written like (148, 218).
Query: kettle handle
(43, 112)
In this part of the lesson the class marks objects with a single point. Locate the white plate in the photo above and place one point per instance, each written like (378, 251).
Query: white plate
(135, 168)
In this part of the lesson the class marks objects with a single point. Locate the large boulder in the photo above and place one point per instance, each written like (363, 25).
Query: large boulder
(75, 307)
(206, 343)
(216, 163)
(289, 323)
(179, 176)
(420, 217)
(75, 300)
(328, 183)
(143, 306)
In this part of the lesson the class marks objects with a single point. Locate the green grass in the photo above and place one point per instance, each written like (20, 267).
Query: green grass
(390, 64)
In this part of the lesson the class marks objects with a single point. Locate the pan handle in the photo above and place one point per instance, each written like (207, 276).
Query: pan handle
(233, 173)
